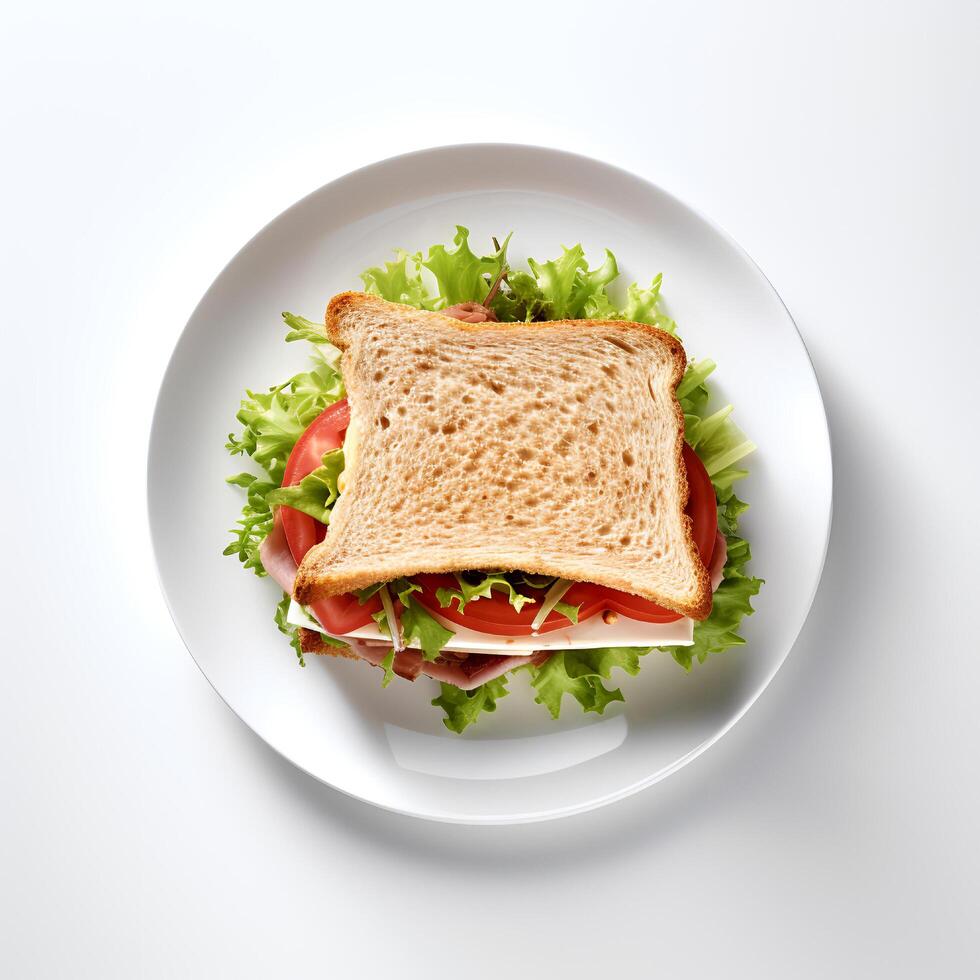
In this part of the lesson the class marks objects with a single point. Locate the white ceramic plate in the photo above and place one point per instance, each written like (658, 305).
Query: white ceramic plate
(333, 719)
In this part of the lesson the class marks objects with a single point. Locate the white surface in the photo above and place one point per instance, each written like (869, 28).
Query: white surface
(316, 248)
(593, 632)
(147, 832)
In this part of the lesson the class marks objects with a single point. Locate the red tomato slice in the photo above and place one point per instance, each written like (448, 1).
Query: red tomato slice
(702, 507)
(496, 615)
(343, 613)
(324, 433)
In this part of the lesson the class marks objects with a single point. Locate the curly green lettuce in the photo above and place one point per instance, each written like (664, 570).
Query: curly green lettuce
(458, 275)
(317, 492)
(730, 603)
(479, 585)
(255, 522)
(420, 629)
(580, 673)
(463, 708)
(290, 631)
(272, 421)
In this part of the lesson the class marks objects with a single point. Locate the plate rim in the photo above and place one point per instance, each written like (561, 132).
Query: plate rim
(593, 803)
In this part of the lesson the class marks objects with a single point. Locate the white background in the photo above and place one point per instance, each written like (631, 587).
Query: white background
(147, 832)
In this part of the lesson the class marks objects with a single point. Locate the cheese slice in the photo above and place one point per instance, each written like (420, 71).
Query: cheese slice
(592, 633)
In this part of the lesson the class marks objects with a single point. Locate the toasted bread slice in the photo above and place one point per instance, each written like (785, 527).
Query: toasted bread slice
(552, 448)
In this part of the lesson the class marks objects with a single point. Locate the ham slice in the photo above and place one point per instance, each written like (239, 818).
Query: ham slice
(470, 313)
(472, 671)
(276, 557)
(476, 669)
(718, 558)
(407, 664)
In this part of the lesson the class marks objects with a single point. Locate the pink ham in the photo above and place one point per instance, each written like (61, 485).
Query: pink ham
(470, 313)
(717, 567)
(276, 557)
(407, 663)
(476, 669)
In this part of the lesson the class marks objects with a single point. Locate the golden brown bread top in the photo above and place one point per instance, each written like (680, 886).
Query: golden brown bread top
(554, 448)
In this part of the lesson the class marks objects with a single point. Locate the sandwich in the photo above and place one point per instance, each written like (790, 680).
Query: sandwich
(506, 473)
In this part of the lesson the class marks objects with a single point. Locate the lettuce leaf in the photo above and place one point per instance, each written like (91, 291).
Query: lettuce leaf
(717, 633)
(559, 289)
(463, 708)
(461, 276)
(643, 306)
(302, 329)
(580, 673)
(255, 522)
(364, 594)
(287, 628)
(717, 440)
(400, 281)
(388, 666)
(272, 422)
(481, 589)
(720, 444)
(549, 289)
(317, 492)
(419, 627)
(568, 611)
(509, 582)
(731, 602)
(567, 284)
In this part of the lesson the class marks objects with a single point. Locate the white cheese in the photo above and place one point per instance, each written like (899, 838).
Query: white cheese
(593, 632)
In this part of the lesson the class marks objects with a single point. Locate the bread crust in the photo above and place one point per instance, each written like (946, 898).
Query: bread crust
(312, 642)
(315, 580)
